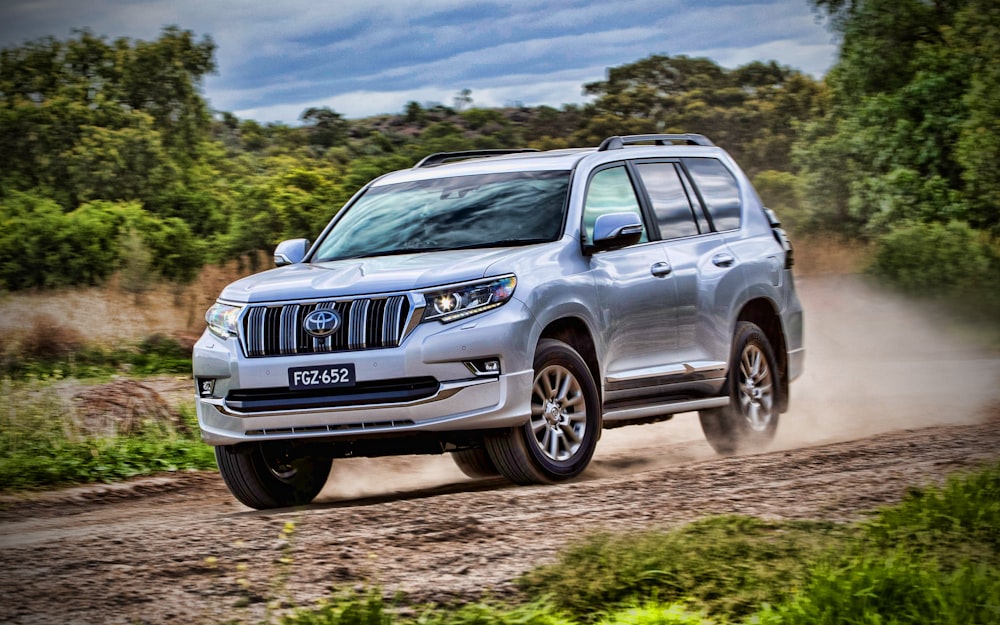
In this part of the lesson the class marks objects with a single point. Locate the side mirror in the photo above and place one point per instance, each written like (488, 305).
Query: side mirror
(290, 252)
(614, 230)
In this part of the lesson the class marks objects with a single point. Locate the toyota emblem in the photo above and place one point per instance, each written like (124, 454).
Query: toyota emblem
(321, 323)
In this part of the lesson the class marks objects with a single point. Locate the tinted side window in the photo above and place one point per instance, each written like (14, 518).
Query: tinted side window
(610, 191)
(670, 200)
(719, 190)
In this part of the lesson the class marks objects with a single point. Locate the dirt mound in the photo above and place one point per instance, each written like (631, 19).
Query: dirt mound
(122, 407)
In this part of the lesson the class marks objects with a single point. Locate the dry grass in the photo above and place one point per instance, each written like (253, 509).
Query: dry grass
(109, 314)
(828, 254)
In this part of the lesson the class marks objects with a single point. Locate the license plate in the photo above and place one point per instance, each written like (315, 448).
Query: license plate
(322, 376)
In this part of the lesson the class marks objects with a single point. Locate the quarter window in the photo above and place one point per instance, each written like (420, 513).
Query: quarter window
(718, 189)
(610, 191)
(669, 199)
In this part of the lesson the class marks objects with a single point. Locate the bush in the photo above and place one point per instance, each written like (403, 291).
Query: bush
(47, 341)
(940, 260)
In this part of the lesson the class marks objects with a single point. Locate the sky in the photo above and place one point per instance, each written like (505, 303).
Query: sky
(277, 58)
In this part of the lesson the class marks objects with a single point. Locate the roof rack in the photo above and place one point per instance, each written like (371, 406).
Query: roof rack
(445, 157)
(617, 143)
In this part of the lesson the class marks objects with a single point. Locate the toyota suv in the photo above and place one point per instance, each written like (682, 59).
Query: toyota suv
(505, 306)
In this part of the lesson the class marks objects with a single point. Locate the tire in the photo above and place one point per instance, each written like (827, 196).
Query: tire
(749, 422)
(268, 476)
(558, 441)
(475, 462)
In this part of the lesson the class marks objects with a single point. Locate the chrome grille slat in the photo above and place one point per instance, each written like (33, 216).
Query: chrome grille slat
(358, 324)
(366, 323)
(255, 331)
(391, 320)
(288, 338)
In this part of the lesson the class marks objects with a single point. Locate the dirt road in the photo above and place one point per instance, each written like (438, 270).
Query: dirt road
(888, 401)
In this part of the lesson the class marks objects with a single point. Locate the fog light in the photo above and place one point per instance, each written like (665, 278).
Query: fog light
(484, 366)
(206, 387)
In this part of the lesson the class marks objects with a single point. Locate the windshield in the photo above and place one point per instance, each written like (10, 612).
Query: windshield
(490, 210)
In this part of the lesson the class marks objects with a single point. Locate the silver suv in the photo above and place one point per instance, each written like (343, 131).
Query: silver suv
(505, 306)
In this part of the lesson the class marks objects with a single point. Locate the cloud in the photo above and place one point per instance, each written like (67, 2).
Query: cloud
(276, 59)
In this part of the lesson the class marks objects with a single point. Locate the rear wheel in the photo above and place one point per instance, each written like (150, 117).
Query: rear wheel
(271, 476)
(475, 462)
(749, 422)
(559, 439)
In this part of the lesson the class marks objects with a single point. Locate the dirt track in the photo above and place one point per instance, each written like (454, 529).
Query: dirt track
(887, 402)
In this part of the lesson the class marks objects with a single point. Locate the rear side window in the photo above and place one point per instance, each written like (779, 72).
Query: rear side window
(610, 191)
(669, 199)
(718, 189)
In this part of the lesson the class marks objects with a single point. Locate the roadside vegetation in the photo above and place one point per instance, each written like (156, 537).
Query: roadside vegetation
(75, 412)
(44, 444)
(934, 558)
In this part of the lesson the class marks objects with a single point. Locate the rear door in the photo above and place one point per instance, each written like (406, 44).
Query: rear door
(704, 271)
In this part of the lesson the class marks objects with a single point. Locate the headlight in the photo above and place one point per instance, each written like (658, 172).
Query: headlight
(464, 300)
(222, 319)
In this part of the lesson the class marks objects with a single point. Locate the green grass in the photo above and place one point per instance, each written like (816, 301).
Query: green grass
(728, 564)
(41, 446)
(934, 558)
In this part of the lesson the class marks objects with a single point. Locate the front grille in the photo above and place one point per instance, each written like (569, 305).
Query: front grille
(367, 323)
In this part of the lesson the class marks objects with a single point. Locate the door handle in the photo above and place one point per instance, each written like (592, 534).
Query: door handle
(661, 270)
(723, 260)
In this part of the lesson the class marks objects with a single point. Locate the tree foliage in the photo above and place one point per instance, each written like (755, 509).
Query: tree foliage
(752, 110)
(111, 150)
(910, 131)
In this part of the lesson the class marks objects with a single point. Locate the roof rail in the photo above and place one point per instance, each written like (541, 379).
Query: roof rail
(617, 143)
(444, 157)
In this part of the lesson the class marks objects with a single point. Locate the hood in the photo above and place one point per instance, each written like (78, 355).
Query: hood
(366, 276)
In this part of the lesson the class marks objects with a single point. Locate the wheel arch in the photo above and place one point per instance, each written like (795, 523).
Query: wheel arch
(574, 332)
(762, 312)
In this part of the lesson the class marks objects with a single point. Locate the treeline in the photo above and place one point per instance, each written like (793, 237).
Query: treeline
(906, 150)
(113, 159)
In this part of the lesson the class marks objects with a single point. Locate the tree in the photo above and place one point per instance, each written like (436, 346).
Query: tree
(910, 130)
(327, 128)
(752, 111)
(463, 100)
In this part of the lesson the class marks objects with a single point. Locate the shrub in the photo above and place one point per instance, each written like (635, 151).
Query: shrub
(46, 340)
(936, 259)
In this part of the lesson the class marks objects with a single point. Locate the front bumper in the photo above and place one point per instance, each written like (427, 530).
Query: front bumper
(459, 400)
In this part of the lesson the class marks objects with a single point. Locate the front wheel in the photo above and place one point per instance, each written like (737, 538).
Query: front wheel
(559, 439)
(271, 476)
(749, 422)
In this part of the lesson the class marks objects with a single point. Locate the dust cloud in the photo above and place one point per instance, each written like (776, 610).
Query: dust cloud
(875, 362)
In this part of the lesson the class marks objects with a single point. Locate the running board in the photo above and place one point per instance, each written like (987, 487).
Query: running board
(662, 410)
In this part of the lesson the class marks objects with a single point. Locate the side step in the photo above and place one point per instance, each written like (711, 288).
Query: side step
(662, 410)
